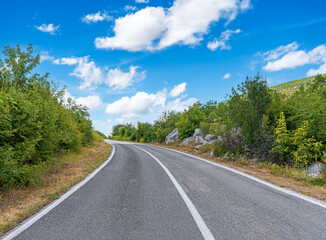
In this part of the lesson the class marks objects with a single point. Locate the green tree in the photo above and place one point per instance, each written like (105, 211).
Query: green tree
(190, 120)
(245, 110)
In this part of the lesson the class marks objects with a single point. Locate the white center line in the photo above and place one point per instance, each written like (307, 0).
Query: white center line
(195, 214)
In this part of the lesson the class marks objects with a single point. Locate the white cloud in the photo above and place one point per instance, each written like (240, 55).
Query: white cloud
(119, 120)
(109, 120)
(226, 76)
(184, 23)
(320, 70)
(179, 105)
(135, 32)
(48, 28)
(244, 5)
(137, 105)
(178, 89)
(143, 103)
(45, 56)
(142, 1)
(92, 76)
(91, 101)
(118, 79)
(294, 58)
(222, 41)
(280, 51)
(188, 21)
(66, 61)
(130, 8)
(96, 17)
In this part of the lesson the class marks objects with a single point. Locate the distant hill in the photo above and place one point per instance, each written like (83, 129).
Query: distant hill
(290, 87)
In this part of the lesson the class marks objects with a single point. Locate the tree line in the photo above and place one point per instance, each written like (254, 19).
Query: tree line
(254, 121)
(36, 122)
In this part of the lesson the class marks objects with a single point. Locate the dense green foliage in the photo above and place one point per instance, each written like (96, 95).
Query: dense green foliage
(35, 121)
(286, 125)
(291, 86)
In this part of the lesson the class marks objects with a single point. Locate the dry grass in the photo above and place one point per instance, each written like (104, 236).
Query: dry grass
(288, 178)
(20, 203)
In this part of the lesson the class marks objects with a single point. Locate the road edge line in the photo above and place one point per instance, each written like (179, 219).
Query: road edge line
(266, 183)
(31, 220)
(206, 233)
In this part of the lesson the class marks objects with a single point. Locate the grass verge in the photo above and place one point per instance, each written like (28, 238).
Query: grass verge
(288, 177)
(67, 170)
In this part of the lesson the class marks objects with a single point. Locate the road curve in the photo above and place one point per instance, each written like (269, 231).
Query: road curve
(148, 192)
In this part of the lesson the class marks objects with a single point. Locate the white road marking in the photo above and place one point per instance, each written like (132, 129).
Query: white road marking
(195, 214)
(30, 221)
(284, 190)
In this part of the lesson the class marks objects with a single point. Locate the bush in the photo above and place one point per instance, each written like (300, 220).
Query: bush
(189, 121)
(35, 121)
(296, 145)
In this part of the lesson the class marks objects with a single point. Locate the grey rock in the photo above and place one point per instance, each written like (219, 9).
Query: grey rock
(315, 169)
(198, 133)
(172, 137)
(199, 140)
(187, 141)
(210, 137)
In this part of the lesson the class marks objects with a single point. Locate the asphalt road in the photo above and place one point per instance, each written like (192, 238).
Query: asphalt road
(147, 192)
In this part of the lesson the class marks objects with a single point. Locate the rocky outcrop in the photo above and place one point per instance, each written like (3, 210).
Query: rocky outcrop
(172, 137)
(198, 133)
(315, 169)
(199, 139)
(187, 141)
(210, 137)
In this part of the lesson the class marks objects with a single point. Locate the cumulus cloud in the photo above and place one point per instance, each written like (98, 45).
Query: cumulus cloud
(96, 17)
(143, 103)
(178, 89)
(288, 57)
(118, 79)
(320, 70)
(130, 8)
(142, 1)
(92, 75)
(66, 61)
(119, 120)
(45, 56)
(226, 76)
(137, 105)
(179, 104)
(91, 101)
(184, 23)
(222, 41)
(135, 32)
(48, 28)
(280, 51)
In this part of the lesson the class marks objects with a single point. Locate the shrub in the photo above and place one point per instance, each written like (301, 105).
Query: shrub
(296, 145)
(189, 121)
(35, 121)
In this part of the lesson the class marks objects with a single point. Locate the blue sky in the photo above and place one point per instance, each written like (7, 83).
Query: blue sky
(129, 60)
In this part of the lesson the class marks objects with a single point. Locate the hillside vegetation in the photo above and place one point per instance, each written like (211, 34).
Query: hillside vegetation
(285, 124)
(35, 121)
(292, 86)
